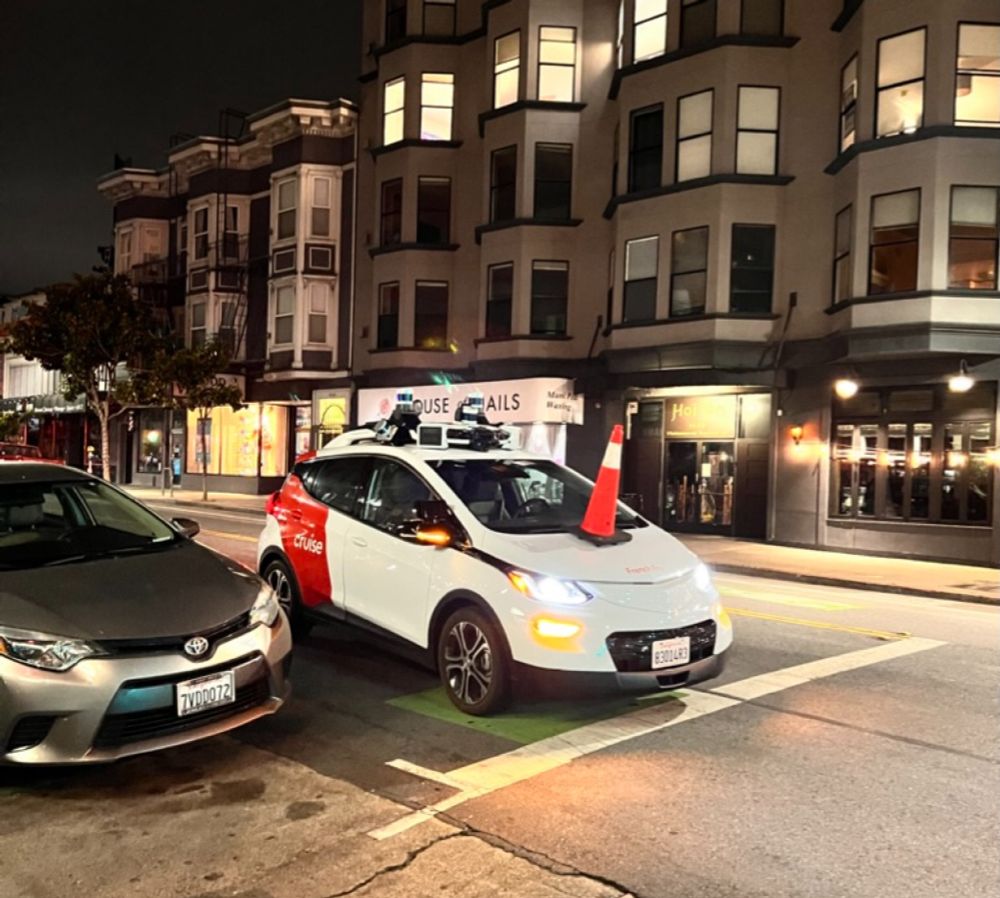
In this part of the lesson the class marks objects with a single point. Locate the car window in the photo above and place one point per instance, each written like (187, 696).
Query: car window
(338, 482)
(393, 495)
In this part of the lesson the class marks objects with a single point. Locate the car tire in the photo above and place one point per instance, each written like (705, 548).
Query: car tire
(474, 662)
(279, 577)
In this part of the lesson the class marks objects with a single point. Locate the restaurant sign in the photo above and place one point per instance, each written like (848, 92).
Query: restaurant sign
(547, 400)
(701, 417)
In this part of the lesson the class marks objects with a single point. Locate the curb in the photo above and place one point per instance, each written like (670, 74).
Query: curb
(206, 506)
(854, 584)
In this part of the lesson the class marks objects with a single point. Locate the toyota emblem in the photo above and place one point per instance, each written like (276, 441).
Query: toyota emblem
(196, 646)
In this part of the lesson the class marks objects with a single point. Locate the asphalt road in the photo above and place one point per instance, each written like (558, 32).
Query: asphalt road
(850, 749)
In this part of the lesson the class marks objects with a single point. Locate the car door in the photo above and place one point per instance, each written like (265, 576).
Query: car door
(388, 576)
(324, 499)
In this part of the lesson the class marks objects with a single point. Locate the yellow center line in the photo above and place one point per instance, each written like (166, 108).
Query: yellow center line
(819, 625)
(223, 535)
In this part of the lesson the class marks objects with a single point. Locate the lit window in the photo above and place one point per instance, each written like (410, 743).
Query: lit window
(321, 207)
(287, 201)
(284, 316)
(319, 298)
(848, 104)
(388, 316)
(763, 17)
(499, 300)
(757, 135)
(901, 83)
(977, 81)
(434, 210)
(439, 17)
(437, 103)
(694, 136)
(697, 22)
(974, 238)
(843, 273)
(751, 279)
(391, 231)
(549, 298)
(620, 35)
(393, 104)
(506, 69)
(553, 181)
(649, 33)
(556, 64)
(895, 236)
(430, 315)
(641, 265)
(689, 272)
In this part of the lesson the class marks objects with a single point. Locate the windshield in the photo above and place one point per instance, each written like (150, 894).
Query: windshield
(67, 522)
(522, 496)
(16, 450)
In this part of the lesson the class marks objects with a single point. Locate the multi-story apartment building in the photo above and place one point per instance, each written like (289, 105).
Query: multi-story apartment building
(763, 234)
(247, 238)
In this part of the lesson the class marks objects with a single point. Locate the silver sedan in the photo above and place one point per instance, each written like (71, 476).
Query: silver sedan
(118, 633)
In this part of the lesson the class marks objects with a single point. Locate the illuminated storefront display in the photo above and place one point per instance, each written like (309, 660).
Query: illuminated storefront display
(250, 442)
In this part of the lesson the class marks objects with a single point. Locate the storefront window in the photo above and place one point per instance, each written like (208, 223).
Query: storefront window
(250, 442)
(929, 468)
(150, 449)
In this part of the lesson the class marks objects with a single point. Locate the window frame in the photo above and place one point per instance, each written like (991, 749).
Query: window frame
(202, 328)
(636, 23)
(398, 110)
(879, 90)
(276, 315)
(422, 210)
(694, 4)
(538, 332)
(425, 106)
(759, 226)
(447, 4)
(381, 316)
(995, 239)
(872, 244)
(681, 140)
(279, 211)
(633, 152)
(776, 167)
(395, 13)
(496, 187)
(626, 281)
(198, 254)
(512, 65)
(387, 216)
(675, 273)
(967, 123)
(557, 65)
(781, 26)
(418, 315)
(316, 205)
(851, 107)
(568, 182)
(312, 314)
(507, 332)
(838, 257)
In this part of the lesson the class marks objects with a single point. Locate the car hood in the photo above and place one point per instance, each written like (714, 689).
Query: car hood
(650, 556)
(177, 591)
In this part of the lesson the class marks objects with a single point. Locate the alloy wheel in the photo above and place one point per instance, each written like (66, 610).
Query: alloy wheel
(278, 580)
(468, 662)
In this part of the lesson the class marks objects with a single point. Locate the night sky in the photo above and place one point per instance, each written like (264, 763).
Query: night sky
(81, 80)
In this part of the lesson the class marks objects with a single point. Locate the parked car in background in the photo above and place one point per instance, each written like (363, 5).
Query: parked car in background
(118, 633)
(24, 452)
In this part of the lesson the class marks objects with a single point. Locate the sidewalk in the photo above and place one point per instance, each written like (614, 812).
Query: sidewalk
(965, 583)
(962, 582)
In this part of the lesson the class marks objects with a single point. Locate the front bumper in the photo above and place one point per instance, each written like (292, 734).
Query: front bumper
(104, 709)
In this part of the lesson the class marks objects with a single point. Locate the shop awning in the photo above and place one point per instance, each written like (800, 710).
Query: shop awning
(50, 404)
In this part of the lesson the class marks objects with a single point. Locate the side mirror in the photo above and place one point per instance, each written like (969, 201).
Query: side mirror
(189, 529)
(438, 535)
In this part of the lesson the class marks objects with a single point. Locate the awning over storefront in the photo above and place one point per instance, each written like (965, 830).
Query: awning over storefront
(50, 404)
(546, 400)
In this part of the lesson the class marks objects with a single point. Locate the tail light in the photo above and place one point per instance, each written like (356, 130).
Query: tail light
(273, 501)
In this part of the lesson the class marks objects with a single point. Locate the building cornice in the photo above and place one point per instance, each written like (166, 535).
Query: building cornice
(522, 105)
(931, 132)
(695, 184)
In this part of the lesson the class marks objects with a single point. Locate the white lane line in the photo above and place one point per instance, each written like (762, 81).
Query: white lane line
(424, 772)
(484, 777)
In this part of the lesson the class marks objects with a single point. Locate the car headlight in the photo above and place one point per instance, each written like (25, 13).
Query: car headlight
(548, 589)
(44, 651)
(265, 608)
(703, 578)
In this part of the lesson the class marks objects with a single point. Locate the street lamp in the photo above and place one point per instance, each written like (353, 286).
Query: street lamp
(963, 381)
(846, 387)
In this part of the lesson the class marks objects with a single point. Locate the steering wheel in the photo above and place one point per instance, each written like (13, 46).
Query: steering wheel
(533, 506)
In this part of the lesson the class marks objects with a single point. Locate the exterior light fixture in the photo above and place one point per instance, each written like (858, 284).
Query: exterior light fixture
(956, 459)
(963, 381)
(993, 455)
(795, 432)
(846, 387)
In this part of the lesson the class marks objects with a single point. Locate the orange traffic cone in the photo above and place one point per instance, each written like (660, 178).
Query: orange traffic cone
(598, 524)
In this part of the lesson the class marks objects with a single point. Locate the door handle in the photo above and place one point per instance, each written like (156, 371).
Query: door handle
(358, 541)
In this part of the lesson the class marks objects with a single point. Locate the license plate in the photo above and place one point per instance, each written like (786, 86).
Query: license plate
(204, 693)
(670, 652)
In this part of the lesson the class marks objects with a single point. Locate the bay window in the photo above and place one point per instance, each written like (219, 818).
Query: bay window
(977, 79)
(849, 104)
(430, 315)
(894, 242)
(395, 20)
(900, 82)
(556, 64)
(321, 207)
(641, 266)
(319, 302)
(499, 300)
(553, 181)
(843, 272)
(286, 205)
(503, 184)
(199, 325)
(762, 17)
(751, 279)
(697, 22)
(391, 221)
(974, 238)
(283, 331)
(506, 69)
(694, 136)
(201, 232)
(393, 110)
(549, 298)
(649, 33)
(437, 104)
(688, 272)
(434, 210)
(645, 152)
(757, 131)
(439, 17)
(387, 330)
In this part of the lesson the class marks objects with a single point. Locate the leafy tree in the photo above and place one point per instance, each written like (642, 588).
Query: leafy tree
(94, 331)
(10, 425)
(191, 380)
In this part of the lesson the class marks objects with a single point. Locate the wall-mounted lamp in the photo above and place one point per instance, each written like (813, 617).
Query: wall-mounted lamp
(963, 381)
(846, 387)
(795, 432)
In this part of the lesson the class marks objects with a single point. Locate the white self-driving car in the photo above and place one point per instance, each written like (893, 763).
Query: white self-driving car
(473, 554)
